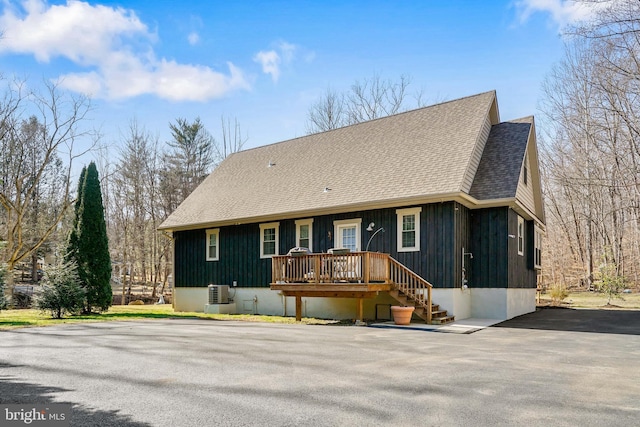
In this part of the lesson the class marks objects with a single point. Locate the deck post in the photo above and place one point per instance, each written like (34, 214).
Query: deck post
(429, 305)
(359, 309)
(298, 308)
(367, 264)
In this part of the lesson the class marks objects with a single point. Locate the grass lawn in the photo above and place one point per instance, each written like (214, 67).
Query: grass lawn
(596, 300)
(11, 319)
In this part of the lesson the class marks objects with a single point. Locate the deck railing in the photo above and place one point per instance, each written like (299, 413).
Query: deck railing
(363, 267)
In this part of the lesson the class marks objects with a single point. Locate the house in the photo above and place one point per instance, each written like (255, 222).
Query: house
(445, 199)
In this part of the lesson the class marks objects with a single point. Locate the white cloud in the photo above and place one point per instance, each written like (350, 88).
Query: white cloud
(193, 38)
(115, 49)
(562, 12)
(270, 61)
(287, 50)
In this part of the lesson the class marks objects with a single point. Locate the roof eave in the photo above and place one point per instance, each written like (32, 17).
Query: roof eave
(460, 197)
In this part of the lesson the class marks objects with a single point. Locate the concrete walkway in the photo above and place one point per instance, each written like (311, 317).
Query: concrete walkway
(465, 326)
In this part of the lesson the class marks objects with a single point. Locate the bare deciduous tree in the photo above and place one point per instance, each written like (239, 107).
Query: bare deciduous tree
(232, 139)
(366, 100)
(37, 163)
(591, 154)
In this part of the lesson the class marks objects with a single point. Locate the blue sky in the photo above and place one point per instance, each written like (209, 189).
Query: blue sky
(266, 62)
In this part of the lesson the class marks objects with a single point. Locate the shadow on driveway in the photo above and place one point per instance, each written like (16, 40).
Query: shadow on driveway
(578, 320)
(14, 391)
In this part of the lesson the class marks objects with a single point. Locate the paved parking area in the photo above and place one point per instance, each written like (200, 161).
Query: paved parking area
(533, 370)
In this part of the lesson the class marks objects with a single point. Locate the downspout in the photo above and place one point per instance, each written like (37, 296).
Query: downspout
(169, 235)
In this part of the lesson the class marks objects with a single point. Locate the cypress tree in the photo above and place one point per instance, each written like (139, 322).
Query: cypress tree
(72, 244)
(88, 243)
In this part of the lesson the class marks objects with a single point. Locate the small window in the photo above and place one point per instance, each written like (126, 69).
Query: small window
(525, 171)
(408, 229)
(213, 244)
(269, 240)
(304, 233)
(537, 247)
(520, 235)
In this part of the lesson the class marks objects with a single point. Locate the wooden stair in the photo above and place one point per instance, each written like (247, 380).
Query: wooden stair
(438, 317)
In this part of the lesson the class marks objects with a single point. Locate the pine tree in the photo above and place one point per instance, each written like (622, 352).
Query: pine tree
(88, 243)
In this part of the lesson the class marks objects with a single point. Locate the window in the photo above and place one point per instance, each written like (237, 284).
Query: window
(408, 229)
(537, 248)
(347, 234)
(525, 171)
(304, 232)
(520, 235)
(269, 239)
(213, 244)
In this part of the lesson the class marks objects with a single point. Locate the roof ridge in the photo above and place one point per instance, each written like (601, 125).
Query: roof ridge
(373, 120)
(524, 119)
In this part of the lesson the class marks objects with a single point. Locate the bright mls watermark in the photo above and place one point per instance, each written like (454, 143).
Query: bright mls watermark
(52, 415)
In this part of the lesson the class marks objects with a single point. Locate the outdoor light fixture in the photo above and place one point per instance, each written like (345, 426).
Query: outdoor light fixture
(370, 228)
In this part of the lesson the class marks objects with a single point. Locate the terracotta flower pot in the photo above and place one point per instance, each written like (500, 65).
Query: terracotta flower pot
(402, 315)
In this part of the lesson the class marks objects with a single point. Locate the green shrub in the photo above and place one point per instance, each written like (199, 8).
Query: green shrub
(61, 291)
(610, 283)
(558, 294)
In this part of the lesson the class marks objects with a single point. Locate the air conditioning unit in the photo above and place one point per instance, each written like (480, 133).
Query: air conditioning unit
(218, 294)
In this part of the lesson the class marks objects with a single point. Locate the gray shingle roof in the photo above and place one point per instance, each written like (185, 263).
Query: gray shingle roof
(402, 157)
(499, 169)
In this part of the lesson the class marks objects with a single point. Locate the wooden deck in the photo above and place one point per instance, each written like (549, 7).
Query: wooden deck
(353, 275)
(357, 275)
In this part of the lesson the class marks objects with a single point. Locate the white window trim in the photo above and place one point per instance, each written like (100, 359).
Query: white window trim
(216, 232)
(344, 223)
(309, 222)
(521, 232)
(537, 246)
(401, 213)
(275, 225)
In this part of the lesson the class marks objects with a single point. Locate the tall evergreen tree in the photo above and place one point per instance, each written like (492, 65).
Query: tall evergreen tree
(88, 243)
(72, 244)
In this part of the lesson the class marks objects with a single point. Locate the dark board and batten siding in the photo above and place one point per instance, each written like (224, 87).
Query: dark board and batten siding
(490, 246)
(494, 243)
(239, 258)
(522, 273)
(444, 231)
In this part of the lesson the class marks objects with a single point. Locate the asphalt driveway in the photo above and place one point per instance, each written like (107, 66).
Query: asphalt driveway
(206, 373)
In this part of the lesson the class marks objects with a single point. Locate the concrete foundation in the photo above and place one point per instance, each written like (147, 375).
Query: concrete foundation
(491, 303)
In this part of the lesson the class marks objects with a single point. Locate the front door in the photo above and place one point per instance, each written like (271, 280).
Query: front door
(347, 233)
(347, 236)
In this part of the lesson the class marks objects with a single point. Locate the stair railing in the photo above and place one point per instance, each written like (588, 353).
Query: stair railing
(411, 284)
